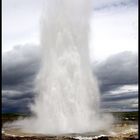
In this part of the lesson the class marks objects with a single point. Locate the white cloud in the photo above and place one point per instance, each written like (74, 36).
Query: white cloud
(20, 22)
(11, 93)
(125, 89)
(113, 31)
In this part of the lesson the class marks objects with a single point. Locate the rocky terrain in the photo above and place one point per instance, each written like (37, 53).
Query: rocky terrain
(128, 137)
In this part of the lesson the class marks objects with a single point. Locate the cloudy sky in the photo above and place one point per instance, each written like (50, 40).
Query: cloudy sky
(113, 52)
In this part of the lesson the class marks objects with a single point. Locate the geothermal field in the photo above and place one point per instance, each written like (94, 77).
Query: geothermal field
(125, 128)
(67, 104)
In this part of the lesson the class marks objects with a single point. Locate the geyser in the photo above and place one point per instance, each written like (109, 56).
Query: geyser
(68, 99)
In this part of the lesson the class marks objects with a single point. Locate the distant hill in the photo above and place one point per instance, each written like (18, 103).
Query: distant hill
(122, 116)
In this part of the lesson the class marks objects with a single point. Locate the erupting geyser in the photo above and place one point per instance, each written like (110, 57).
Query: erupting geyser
(68, 99)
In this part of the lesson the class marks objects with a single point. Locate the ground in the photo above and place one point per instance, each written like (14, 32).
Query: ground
(126, 128)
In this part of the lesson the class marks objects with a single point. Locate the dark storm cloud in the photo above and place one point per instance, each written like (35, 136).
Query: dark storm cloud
(114, 73)
(122, 96)
(15, 95)
(103, 4)
(16, 100)
(122, 101)
(20, 67)
(117, 106)
(13, 105)
(118, 70)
